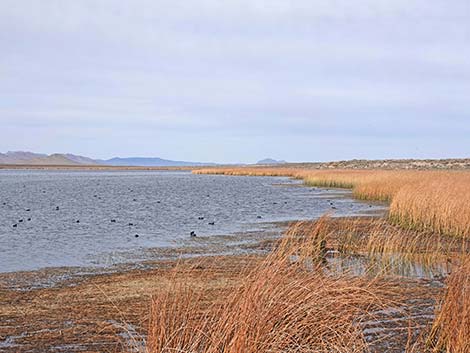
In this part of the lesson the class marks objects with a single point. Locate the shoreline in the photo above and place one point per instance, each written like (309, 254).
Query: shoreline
(86, 167)
(441, 164)
(109, 311)
(244, 233)
(236, 244)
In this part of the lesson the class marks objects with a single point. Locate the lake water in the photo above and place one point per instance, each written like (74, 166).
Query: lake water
(87, 218)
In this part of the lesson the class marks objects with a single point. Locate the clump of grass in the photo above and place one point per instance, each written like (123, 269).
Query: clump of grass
(293, 301)
(451, 329)
(286, 303)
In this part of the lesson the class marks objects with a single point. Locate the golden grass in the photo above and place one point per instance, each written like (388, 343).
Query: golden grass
(437, 201)
(285, 304)
(451, 329)
(293, 301)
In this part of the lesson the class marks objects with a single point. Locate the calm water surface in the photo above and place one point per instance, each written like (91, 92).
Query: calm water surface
(90, 218)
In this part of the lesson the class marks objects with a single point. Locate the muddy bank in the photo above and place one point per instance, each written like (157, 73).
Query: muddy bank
(71, 309)
(99, 313)
(109, 312)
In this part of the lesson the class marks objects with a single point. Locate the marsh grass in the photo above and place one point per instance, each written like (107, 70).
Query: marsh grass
(285, 303)
(395, 249)
(372, 246)
(291, 301)
(451, 329)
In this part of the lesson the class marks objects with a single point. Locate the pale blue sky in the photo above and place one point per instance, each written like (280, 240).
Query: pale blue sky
(236, 81)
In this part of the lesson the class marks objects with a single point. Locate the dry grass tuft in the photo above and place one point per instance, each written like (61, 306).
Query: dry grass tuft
(285, 304)
(451, 329)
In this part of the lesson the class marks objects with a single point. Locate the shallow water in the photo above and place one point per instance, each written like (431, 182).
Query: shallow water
(91, 218)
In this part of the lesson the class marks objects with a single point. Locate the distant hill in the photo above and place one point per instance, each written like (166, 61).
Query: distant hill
(30, 158)
(149, 162)
(20, 157)
(270, 161)
(80, 159)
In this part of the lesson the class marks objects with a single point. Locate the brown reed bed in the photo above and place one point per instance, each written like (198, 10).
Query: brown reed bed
(274, 310)
(451, 329)
(292, 301)
(436, 201)
(286, 303)
(372, 246)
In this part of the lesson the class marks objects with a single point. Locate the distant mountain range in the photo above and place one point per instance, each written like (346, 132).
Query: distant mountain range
(19, 157)
(30, 158)
(270, 161)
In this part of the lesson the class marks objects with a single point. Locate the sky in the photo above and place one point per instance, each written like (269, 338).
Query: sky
(236, 81)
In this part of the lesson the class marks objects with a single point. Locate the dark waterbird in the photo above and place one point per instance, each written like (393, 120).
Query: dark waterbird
(136, 236)
(78, 221)
(20, 221)
(28, 209)
(29, 219)
(200, 218)
(192, 234)
(211, 223)
(113, 221)
(57, 208)
(131, 224)
(15, 225)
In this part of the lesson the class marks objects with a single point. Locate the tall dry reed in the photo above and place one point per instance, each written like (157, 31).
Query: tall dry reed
(285, 304)
(451, 329)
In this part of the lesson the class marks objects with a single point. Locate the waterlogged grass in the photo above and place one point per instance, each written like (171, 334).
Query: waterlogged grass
(293, 301)
(451, 329)
(435, 201)
(286, 303)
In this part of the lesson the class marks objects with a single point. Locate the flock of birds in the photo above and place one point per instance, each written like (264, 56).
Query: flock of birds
(130, 224)
(192, 234)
